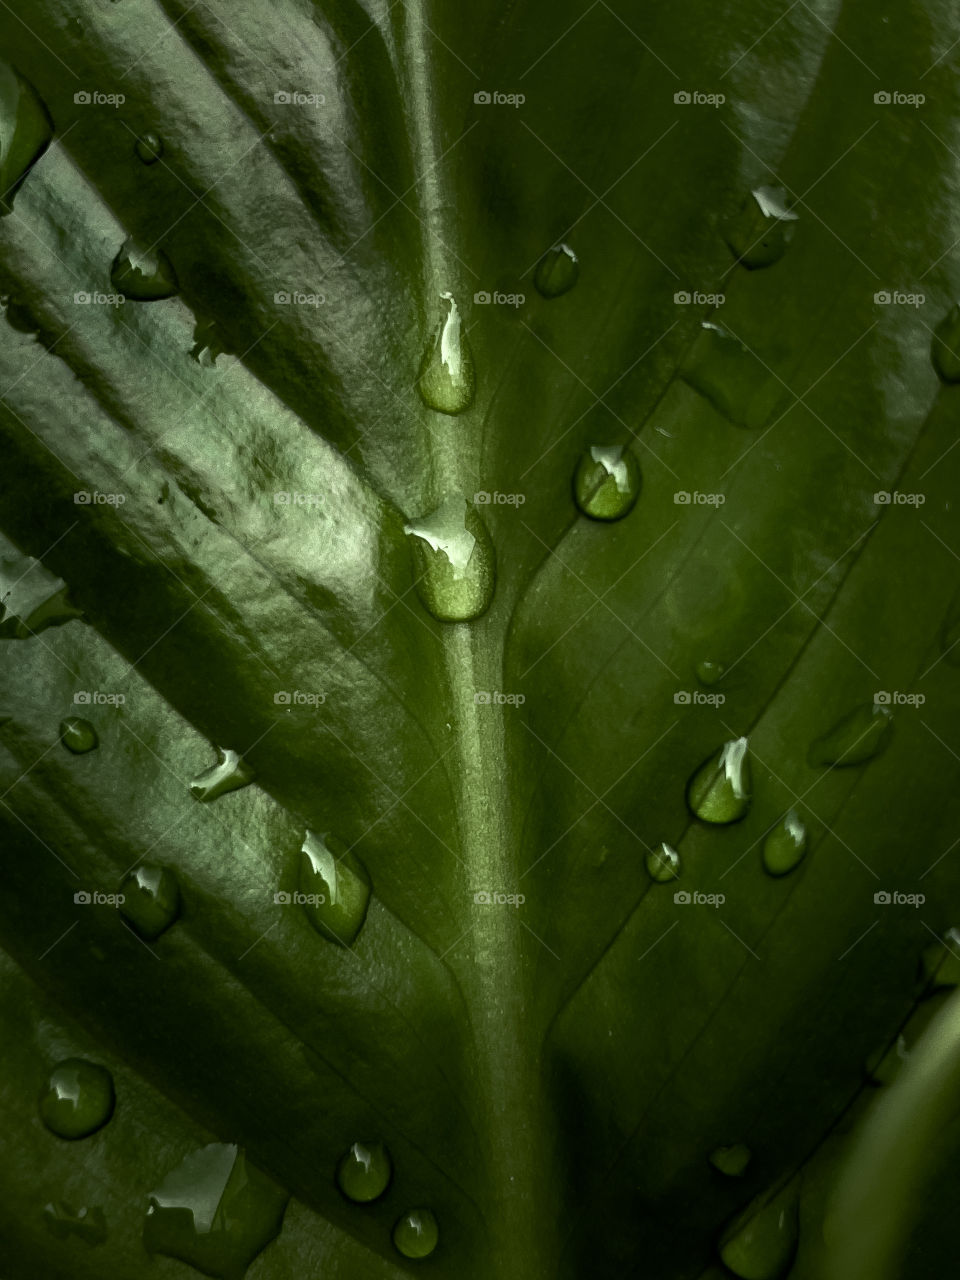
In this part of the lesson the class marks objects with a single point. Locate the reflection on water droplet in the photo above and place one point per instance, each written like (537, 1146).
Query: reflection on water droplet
(785, 845)
(25, 133)
(339, 879)
(709, 672)
(78, 736)
(149, 148)
(151, 899)
(230, 773)
(732, 1160)
(762, 228)
(88, 1223)
(945, 346)
(730, 376)
(454, 561)
(858, 737)
(78, 1098)
(143, 274)
(214, 1211)
(760, 1243)
(364, 1172)
(663, 863)
(447, 380)
(607, 482)
(557, 271)
(719, 791)
(416, 1233)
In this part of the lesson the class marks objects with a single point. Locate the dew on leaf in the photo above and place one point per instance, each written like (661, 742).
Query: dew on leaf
(25, 133)
(149, 148)
(731, 1161)
(945, 346)
(663, 863)
(151, 899)
(760, 1242)
(758, 234)
(230, 773)
(723, 370)
(340, 881)
(607, 482)
(709, 672)
(785, 845)
(884, 1066)
(78, 735)
(454, 561)
(87, 1223)
(447, 380)
(78, 1098)
(719, 791)
(557, 271)
(856, 738)
(364, 1172)
(143, 274)
(416, 1233)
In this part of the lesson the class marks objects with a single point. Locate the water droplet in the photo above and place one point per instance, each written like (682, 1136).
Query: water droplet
(454, 561)
(732, 1160)
(230, 773)
(719, 791)
(151, 899)
(885, 1065)
(144, 275)
(214, 1211)
(416, 1233)
(607, 482)
(329, 870)
(557, 271)
(25, 133)
(32, 598)
(945, 346)
(785, 845)
(940, 964)
(663, 863)
(208, 343)
(710, 672)
(63, 1220)
(78, 735)
(760, 1242)
(760, 232)
(149, 148)
(364, 1172)
(858, 737)
(731, 377)
(447, 380)
(78, 1098)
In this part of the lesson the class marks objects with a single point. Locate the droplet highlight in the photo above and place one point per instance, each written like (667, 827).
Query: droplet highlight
(78, 735)
(759, 233)
(731, 1161)
(230, 773)
(363, 1174)
(416, 1234)
(142, 274)
(78, 1098)
(87, 1223)
(151, 900)
(720, 790)
(709, 672)
(447, 380)
(663, 863)
(454, 561)
(607, 482)
(25, 133)
(727, 374)
(557, 271)
(858, 737)
(149, 148)
(339, 880)
(761, 1242)
(785, 845)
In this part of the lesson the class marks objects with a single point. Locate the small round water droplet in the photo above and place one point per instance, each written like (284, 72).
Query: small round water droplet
(364, 1172)
(663, 863)
(729, 375)
(763, 227)
(709, 672)
(416, 1234)
(447, 380)
(719, 791)
(151, 899)
(454, 561)
(78, 1098)
(78, 735)
(761, 1242)
(149, 148)
(731, 1161)
(143, 274)
(87, 1223)
(339, 880)
(858, 737)
(230, 773)
(25, 133)
(785, 845)
(945, 346)
(607, 482)
(557, 271)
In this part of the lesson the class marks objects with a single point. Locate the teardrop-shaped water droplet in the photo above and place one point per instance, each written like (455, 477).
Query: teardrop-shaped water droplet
(364, 1172)
(858, 737)
(214, 1211)
(416, 1233)
(785, 845)
(143, 274)
(760, 1243)
(940, 962)
(557, 271)
(607, 482)
(88, 1223)
(151, 899)
(25, 132)
(447, 380)
(78, 1098)
(339, 880)
(945, 346)
(31, 598)
(230, 773)
(709, 672)
(731, 1161)
(719, 791)
(760, 231)
(454, 561)
(78, 735)
(730, 376)
(663, 863)
(149, 148)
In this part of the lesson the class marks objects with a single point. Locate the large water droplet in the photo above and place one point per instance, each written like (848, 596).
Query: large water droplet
(62, 1220)
(945, 346)
(416, 1233)
(149, 148)
(78, 735)
(719, 791)
(760, 231)
(214, 1211)
(761, 1242)
(25, 132)
(731, 377)
(940, 964)
(31, 598)
(151, 899)
(557, 271)
(709, 672)
(78, 1098)
(364, 1172)
(454, 561)
(230, 773)
(858, 737)
(663, 863)
(142, 274)
(447, 380)
(731, 1161)
(607, 482)
(330, 871)
(785, 845)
